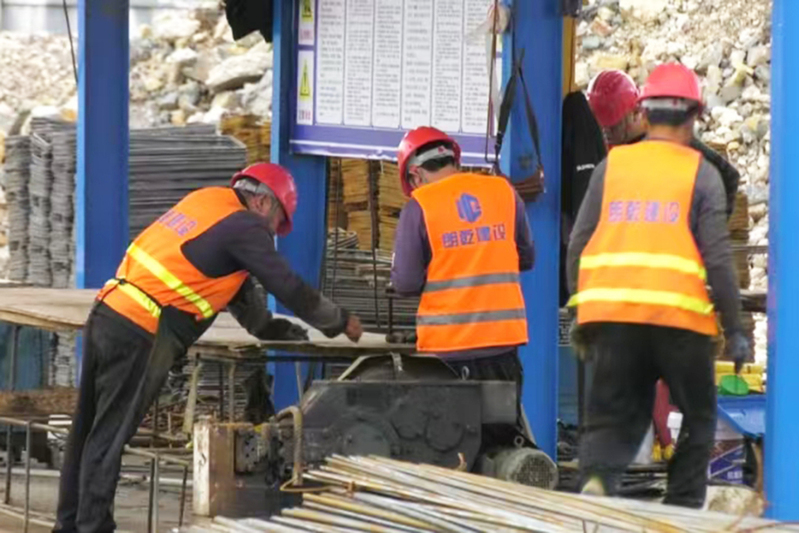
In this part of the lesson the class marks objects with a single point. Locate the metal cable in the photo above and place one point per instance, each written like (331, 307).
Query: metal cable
(71, 45)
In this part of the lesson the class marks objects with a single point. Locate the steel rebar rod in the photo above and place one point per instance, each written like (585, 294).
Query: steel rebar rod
(12, 379)
(151, 497)
(183, 496)
(28, 440)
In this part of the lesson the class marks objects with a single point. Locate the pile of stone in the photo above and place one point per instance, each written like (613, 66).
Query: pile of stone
(728, 43)
(186, 68)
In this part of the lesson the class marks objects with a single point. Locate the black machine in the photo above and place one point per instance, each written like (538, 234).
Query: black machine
(404, 407)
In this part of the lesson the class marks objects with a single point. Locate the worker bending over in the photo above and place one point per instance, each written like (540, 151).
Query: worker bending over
(651, 231)
(179, 273)
(461, 242)
(613, 98)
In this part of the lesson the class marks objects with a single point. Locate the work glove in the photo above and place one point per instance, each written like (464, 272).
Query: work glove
(738, 349)
(280, 329)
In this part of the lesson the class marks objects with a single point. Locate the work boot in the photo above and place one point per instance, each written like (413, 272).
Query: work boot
(594, 487)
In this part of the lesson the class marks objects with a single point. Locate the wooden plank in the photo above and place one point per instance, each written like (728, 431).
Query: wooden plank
(60, 400)
(67, 309)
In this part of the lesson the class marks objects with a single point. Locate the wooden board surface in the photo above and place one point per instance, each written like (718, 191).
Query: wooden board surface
(67, 309)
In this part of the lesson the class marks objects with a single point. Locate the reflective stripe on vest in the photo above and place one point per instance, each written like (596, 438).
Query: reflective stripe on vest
(642, 296)
(648, 260)
(156, 274)
(642, 265)
(472, 281)
(136, 294)
(471, 318)
(170, 280)
(472, 297)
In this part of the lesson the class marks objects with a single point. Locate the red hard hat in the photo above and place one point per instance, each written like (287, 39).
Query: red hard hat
(412, 142)
(673, 80)
(280, 182)
(612, 94)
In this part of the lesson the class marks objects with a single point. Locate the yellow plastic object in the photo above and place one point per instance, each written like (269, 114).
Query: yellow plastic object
(661, 454)
(751, 373)
(657, 453)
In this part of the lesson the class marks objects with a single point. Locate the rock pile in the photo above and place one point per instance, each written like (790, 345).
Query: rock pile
(728, 43)
(187, 69)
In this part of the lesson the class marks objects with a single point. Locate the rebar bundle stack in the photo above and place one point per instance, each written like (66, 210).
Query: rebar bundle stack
(39, 189)
(168, 163)
(350, 276)
(384, 495)
(39, 226)
(63, 365)
(62, 209)
(17, 175)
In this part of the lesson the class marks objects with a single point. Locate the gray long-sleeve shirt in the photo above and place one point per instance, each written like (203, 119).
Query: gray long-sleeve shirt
(708, 225)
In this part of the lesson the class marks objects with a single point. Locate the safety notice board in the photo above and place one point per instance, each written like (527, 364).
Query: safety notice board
(369, 70)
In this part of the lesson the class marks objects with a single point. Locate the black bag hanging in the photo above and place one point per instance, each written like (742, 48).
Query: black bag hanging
(533, 185)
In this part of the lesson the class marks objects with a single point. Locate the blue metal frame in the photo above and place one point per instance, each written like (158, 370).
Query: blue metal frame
(782, 430)
(304, 247)
(538, 29)
(102, 181)
(101, 195)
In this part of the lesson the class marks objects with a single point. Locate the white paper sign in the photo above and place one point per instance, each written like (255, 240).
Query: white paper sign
(398, 63)
(330, 53)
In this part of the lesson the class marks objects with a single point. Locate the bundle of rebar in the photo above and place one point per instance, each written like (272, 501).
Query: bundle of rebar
(62, 209)
(168, 163)
(384, 495)
(350, 278)
(17, 175)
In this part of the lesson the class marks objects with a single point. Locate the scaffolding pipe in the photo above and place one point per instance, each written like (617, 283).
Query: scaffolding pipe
(12, 378)
(62, 431)
(28, 441)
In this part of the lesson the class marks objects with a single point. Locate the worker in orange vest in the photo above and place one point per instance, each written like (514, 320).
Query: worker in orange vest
(461, 242)
(192, 263)
(649, 235)
(613, 97)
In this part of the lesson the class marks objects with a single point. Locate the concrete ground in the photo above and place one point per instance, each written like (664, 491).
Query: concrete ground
(131, 501)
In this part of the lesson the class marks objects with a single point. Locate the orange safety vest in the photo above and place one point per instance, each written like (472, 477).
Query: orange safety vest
(472, 298)
(642, 265)
(154, 272)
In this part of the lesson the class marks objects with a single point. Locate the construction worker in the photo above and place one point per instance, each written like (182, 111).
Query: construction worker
(613, 97)
(179, 273)
(650, 233)
(461, 241)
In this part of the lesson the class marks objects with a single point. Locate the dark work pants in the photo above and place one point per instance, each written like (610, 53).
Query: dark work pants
(110, 409)
(502, 367)
(629, 360)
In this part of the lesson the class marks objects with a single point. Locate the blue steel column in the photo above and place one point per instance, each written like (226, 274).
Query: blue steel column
(304, 247)
(538, 29)
(782, 428)
(102, 182)
(101, 191)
